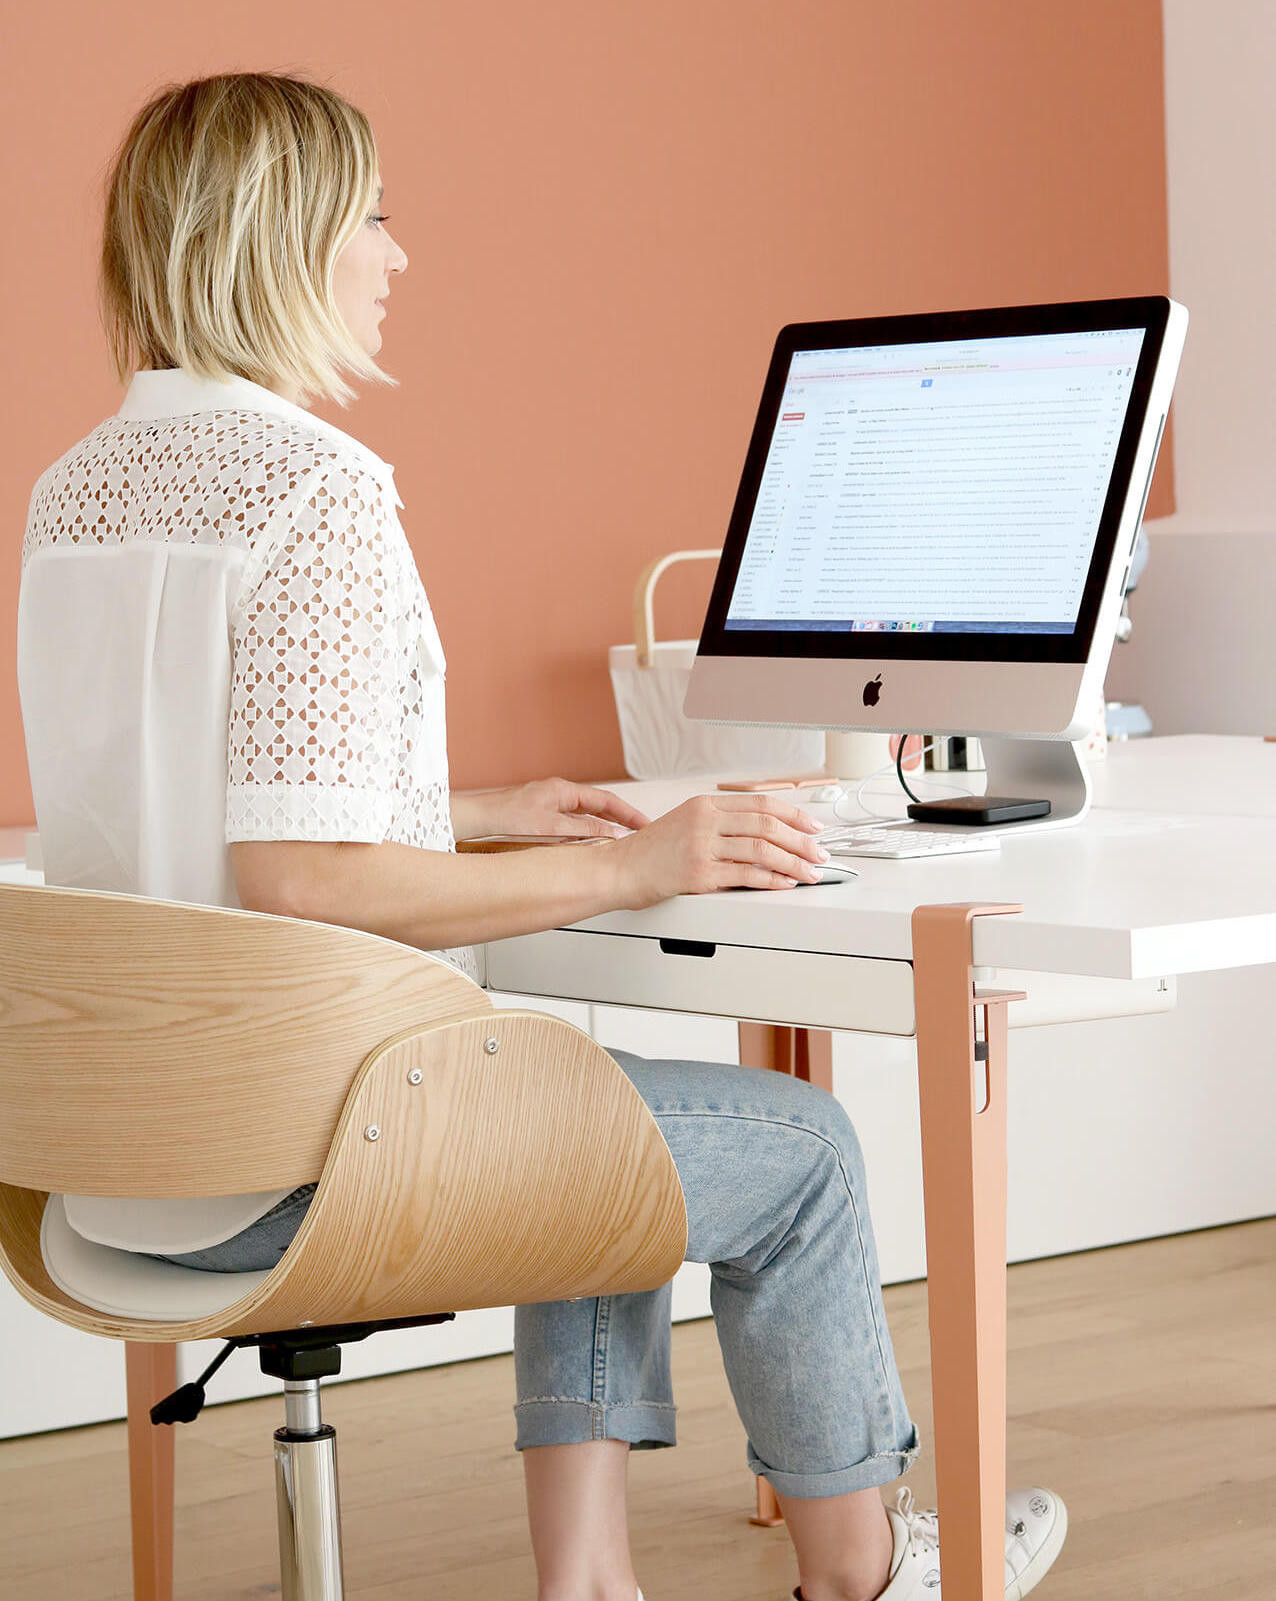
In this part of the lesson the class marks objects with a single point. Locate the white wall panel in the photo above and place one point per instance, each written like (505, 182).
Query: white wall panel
(1220, 63)
(1202, 658)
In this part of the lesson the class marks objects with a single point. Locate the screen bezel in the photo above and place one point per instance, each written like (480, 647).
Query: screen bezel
(1151, 313)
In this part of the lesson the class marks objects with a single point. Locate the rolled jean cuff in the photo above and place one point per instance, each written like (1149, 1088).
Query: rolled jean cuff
(873, 1470)
(565, 1421)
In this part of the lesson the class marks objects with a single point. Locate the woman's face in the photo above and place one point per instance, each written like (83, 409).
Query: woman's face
(361, 277)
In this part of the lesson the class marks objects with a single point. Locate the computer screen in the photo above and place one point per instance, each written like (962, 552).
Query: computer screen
(935, 519)
(954, 486)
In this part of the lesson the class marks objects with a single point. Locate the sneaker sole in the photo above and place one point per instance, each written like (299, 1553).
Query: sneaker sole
(1041, 1564)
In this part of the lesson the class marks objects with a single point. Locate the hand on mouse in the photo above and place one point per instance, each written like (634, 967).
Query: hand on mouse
(721, 841)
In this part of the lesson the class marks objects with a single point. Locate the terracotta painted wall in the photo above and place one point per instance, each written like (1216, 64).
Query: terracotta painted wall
(609, 210)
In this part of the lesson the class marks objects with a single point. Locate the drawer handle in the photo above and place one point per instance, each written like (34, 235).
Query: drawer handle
(687, 947)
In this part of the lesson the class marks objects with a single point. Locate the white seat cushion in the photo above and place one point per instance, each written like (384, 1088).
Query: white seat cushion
(125, 1284)
(171, 1227)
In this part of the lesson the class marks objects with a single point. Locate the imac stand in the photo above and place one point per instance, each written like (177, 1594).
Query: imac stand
(1052, 770)
(1047, 769)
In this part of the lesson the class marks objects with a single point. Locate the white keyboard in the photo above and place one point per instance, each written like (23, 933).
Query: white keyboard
(898, 840)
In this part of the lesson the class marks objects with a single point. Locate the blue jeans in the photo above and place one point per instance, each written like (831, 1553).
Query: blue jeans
(777, 1206)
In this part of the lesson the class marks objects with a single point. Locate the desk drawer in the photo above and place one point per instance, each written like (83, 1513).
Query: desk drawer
(808, 988)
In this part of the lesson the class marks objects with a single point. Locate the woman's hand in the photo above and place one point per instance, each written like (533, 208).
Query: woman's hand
(715, 842)
(435, 899)
(550, 806)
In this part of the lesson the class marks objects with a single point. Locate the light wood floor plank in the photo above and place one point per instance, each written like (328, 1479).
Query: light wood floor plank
(1142, 1386)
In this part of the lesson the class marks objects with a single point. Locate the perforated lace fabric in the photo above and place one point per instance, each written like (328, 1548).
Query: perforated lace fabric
(336, 726)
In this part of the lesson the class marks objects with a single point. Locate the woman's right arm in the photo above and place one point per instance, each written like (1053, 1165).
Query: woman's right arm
(436, 899)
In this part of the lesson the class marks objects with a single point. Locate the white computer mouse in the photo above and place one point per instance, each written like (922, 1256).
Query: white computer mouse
(831, 873)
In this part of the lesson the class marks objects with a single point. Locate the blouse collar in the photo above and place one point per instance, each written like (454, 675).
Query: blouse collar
(174, 392)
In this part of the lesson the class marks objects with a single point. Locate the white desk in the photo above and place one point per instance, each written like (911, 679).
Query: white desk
(1159, 879)
(1170, 874)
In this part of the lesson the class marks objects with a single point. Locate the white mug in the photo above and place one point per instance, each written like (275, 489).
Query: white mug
(856, 755)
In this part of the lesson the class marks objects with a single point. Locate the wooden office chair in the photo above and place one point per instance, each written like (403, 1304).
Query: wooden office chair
(465, 1157)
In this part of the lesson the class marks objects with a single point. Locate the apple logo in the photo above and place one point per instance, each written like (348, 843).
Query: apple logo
(873, 690)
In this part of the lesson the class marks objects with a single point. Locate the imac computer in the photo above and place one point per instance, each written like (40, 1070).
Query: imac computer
(934, 528)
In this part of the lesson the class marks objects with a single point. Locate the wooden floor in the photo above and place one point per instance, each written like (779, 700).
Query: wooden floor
(1142, 1385)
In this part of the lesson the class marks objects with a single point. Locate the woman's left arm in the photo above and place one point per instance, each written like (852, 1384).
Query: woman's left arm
(544, 806)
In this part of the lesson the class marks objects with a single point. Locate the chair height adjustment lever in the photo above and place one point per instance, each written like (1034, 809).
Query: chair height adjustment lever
(187, 1401)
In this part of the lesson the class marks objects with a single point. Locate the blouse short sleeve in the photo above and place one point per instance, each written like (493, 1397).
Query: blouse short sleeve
(321, 636)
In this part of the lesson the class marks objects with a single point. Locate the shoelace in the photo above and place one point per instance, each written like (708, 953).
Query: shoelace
(923, 1527)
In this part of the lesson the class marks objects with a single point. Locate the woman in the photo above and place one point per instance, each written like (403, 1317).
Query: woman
(233, 693)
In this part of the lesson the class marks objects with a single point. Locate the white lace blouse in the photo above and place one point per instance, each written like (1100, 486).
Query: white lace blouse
(222, 635)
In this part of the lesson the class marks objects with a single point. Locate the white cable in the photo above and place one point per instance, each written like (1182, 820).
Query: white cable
(881, 772)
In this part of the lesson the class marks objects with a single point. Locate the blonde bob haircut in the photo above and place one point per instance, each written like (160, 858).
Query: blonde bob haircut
(227, 205)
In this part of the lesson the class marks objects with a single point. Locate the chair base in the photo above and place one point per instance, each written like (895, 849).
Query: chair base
(306, 1490)
(308, 1501)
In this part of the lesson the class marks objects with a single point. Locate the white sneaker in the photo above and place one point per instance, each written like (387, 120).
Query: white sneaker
(1036, 1523)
